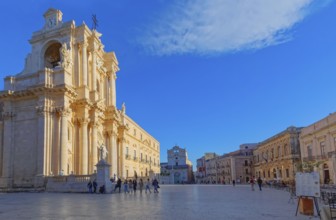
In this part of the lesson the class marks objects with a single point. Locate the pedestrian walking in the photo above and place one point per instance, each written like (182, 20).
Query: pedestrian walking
(134, 185)
(118, 185)
(233, 182)
(94, 186)
(130, 186)
(89, 185)
(148, 186)
(141, 184)
(156, 185)
(126, 186)
(259, 181)
(252, 183)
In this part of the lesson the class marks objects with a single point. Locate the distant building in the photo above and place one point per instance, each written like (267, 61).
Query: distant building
(318, 146)
(200, 174)
(277, 157)
(178, 169)
(236, 165)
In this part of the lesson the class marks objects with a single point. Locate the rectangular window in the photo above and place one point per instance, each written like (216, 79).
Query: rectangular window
(287, 173)
(279, 151)
(285, 150)
(246, 171)
(322, 146)
(309, 152)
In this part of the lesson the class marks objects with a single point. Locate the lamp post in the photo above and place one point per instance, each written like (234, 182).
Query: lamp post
(216, 171)
(173, 174)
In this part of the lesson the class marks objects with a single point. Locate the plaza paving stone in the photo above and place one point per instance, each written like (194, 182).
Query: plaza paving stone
(173, 202)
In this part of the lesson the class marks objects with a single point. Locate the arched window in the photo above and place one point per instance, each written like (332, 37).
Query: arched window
(52, 56)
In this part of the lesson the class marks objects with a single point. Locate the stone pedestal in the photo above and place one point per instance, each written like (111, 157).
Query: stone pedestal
(5, 182)
(103, 176)
(39, 181)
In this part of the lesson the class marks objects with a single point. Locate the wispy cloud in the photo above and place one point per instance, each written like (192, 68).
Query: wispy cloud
(221, 26)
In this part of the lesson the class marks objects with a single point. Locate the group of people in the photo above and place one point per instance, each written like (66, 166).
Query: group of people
(252, 182)
(92, 186)
(130, 186)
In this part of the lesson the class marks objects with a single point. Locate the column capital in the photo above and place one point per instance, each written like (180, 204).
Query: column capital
(63, 111)
(112, 75)
(82, 121)
(83, 43)
(42, 110)
(94, 124)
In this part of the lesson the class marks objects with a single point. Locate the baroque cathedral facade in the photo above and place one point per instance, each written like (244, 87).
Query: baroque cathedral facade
(61, 109)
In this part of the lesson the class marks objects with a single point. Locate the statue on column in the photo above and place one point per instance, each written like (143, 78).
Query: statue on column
(66, 60)
(103, 152)
(123, 108)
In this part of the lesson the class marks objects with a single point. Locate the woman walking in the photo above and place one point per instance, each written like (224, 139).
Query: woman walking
(141, 184)
(126, 186)
(130, 186)
(148, 186)
(156, 186)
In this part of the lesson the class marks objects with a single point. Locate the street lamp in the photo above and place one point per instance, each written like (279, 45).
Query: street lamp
(173, 174)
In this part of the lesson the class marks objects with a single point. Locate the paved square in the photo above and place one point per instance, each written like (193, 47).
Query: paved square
(173, 202)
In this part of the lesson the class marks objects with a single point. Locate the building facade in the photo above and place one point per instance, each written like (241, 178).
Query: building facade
(178, 169)
(61, 109)
(277, 158)
(318, 146)
(235, 166)
(200, 174)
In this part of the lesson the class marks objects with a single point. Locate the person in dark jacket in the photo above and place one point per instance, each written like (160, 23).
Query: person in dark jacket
(259, 181)
(134, 185)
(94, 186)
(118, 185)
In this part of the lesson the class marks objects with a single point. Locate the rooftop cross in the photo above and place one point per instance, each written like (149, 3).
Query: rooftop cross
(95, 22)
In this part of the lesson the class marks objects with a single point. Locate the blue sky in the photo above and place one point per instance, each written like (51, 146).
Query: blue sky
(204, 75)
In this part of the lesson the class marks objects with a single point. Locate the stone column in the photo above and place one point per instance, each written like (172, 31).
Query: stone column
(8, 117)
(107, 90)
(94, 145)
(64, 137)
(114, 153)
(94, 83)
(121, 157)
(113, 90)
(41, 140)
(84, 147)
(84, 63)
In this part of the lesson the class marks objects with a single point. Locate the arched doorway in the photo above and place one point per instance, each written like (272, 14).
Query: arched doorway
(177, 177)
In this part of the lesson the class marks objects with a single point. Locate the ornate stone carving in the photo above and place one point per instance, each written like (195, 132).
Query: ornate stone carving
(82, 121)
(100, 65)
(66, 58)
(63, 111)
